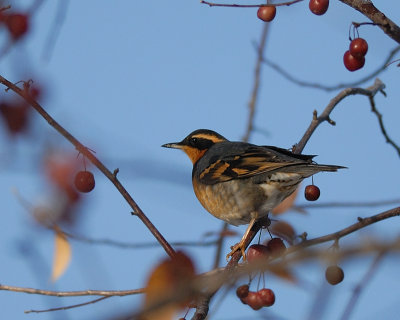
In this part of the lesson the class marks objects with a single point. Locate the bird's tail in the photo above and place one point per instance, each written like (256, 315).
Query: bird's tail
(307, 170)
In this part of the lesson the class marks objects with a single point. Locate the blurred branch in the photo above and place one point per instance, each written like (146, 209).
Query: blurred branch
(361, 285)
(370, 92)
(212, 4)
(219, 244)
(55, 29)
(215, 279)
(328, 88)
(144, 245)
(256, 83)
(355, 204)
(24, 93)
(368, 9)
(104, 293)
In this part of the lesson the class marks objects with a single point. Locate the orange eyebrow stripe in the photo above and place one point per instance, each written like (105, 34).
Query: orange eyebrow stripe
(208, 137)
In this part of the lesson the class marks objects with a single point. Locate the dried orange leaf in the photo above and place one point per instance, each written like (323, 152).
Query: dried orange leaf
(62, 254)
(286, 204)
(165, 281)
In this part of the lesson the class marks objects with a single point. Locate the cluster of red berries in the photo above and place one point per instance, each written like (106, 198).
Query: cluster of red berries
(84, 181)
(258, 252)
(334, 274)
(273, 248)
(17, 24)
(255, 299)
(354, 58)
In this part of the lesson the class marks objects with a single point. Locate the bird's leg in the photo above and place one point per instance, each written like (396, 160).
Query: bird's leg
(242, 244)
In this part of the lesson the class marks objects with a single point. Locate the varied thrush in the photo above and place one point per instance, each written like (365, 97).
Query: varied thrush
(240, 182)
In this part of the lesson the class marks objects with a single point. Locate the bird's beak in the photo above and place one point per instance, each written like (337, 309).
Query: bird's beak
(173, 145)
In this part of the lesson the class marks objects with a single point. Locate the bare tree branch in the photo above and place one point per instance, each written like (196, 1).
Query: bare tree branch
(93, 159)
(256, 84)
(362, 223)
(368, 9)
(382, 126)
(339, 86)
(370, 92)
(105, 293)
(213, 4)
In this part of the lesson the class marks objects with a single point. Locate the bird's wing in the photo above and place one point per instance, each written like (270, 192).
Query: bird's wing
(248, 162)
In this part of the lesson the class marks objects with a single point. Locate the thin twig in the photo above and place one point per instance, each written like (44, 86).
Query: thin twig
(92, 158)
(361, 285)
(339, 86)
(355, 204)
(105, 293)
(382, 126)
(67, 307)
(212, 4)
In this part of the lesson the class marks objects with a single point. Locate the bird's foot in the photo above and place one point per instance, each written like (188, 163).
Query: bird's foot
(238, 246)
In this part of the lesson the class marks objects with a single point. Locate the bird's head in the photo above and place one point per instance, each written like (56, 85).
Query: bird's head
(197, 143)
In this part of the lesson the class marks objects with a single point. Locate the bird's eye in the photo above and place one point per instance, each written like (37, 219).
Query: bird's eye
(193, 141)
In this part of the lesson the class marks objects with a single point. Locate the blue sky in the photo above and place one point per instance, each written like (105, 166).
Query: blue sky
(124, 77)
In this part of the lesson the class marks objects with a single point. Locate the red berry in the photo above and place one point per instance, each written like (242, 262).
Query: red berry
(84, 181)
(266, 14)
(318, 7)
(334, 274)
(242, 292)
(257, 252)
(358, 48)
(352, 63)
(254, 300)
(311, 192)
(267, 296)
(17, 24)
(276, 247)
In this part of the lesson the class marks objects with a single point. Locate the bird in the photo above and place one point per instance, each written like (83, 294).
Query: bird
(240, 182)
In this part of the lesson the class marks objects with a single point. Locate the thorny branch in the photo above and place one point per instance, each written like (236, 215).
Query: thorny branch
(92, 158)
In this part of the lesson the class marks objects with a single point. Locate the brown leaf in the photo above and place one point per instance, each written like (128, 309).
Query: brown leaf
(62, 254)
(166, 280)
